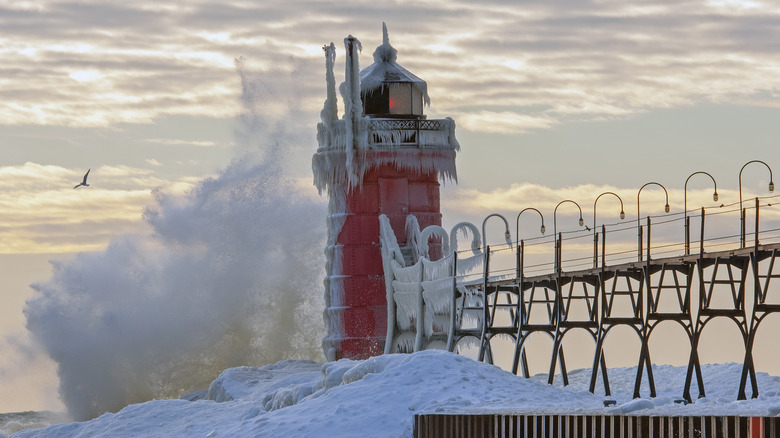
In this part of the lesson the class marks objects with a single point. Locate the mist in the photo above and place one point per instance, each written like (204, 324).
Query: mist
(231, 274)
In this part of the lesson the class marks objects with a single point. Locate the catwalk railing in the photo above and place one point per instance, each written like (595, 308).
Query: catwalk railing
(560, 284)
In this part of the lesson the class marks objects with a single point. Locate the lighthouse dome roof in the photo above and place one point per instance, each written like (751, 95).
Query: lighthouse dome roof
(385, 70)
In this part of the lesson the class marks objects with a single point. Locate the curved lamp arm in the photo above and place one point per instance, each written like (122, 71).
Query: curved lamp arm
(555, 217)
(666, 207)
(507, 235)
(622, 212)
(517, 228)
(771, 183)
(714, 195)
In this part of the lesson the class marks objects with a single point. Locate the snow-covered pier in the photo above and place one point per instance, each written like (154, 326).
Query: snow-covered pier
(725, 277)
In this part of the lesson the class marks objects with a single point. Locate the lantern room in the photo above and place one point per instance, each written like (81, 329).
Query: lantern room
(389, 90)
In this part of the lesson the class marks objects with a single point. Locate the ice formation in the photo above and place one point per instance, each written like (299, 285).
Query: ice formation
(423, 294)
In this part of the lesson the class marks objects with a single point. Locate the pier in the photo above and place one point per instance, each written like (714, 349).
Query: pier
(730, 276)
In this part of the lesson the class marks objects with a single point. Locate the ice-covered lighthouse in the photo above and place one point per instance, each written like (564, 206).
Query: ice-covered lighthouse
(382, 157)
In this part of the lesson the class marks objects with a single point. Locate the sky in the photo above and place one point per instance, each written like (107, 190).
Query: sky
(551, 100)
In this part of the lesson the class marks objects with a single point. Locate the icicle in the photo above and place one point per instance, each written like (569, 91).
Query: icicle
(412, 230)
(438, 290)
(465, 227)
(407, 295)
(353, 107)
(472, 299)
(329, 164)
(330, 110)
(387, 239)
(403, 343)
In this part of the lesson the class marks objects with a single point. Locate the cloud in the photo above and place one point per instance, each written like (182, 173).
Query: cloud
(504, 122)
(94, 64)
(172, 141)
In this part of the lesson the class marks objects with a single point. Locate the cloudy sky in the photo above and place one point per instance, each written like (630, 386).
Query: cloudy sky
(552, 100)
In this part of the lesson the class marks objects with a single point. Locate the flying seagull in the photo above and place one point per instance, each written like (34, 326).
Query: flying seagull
(84, 182)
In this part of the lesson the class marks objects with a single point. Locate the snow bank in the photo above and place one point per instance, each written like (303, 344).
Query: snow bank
(379, 396)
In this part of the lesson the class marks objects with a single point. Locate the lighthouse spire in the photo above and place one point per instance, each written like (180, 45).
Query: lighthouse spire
(385, 52)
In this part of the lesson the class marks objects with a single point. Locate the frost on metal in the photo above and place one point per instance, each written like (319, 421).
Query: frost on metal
(431, 232)
(422, 294)
(438, 288)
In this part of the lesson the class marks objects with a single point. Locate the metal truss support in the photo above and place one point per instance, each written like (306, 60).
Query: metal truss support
(538, 313)
(622, 298)
(579, 308)
(726, 278)
(763, 306)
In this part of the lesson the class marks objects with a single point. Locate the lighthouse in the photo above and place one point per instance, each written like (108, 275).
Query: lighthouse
(383, 156)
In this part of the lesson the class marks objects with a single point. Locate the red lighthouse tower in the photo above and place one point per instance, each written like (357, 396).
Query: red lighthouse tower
(382, 157)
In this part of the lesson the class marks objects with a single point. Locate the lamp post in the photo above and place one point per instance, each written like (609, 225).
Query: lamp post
(486, 315)
(507, 235)
(555, 231)
(685, 197)
(517, 229)
(638, 216)
(520, 242)
(741, 211)
(595, 234)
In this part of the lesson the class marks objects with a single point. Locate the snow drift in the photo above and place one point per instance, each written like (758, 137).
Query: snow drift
(379, 397)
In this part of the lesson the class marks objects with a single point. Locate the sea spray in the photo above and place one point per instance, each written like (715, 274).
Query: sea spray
(230, 275)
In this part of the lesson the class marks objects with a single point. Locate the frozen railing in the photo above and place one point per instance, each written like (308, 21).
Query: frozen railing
(393, 133)
(410, 133)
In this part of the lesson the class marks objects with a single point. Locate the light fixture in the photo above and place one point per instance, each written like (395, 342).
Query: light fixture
(543, 229)
(582, 222)
(622, 214)
(666, 208)
(715, 196)
(771, 186)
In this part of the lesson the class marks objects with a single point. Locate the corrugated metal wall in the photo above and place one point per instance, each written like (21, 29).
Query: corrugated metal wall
(592, 426)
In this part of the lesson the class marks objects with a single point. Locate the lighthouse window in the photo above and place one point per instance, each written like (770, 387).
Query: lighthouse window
(401, 99)
(376, 101)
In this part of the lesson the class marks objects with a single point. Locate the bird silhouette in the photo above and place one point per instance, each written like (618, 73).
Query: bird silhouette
(83, 182)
